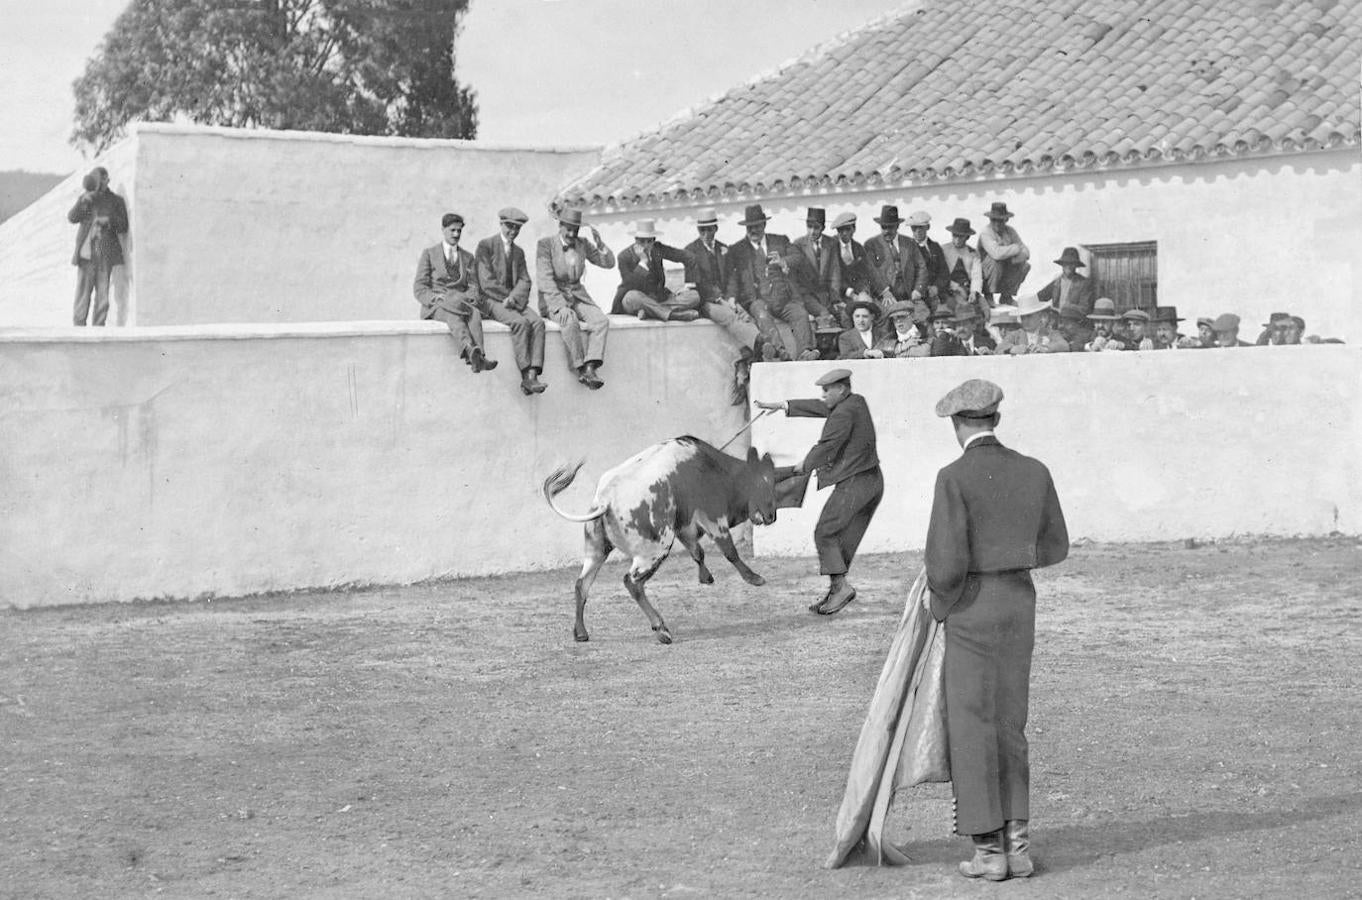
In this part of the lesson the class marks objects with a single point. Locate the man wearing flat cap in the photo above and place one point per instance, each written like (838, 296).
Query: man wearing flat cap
(811, 266)
(1006, 260)
(1226, 329)
(852, 277)
(446, 286)
(933, 260)
(643, 290)
(560, 260)
(845, 459)
(504, 276)
(758, 277)
(1069, 287)
(896, 264)
(1137, 335)
(904, 338)
(995, 517)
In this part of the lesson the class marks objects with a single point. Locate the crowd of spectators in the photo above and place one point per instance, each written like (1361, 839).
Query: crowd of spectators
(817, 296)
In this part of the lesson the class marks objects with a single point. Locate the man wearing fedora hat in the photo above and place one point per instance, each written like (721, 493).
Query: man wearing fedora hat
(1274, 329)
(859, 341)
(1006, 260)
(945, 342)
(643, 290)
(707, 272)
(845, 459)
(560, 260)
(995, 516)
(895, 262)
(1069, 288)
(1166, 336)
(932, 258)
(758, 277)
(1035, 335)
(852, 278)
(1104, 318)
(1074, 327)
(970, 329)
(811, 266)
(446, 286)
(504, 276)
(962, 264)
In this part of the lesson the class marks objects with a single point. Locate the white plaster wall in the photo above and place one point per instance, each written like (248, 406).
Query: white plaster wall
(37, 280)
(1248, 236)
(182, 462)
(1142, 446)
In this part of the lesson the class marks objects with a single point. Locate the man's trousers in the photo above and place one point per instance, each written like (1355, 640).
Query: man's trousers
(844, 519)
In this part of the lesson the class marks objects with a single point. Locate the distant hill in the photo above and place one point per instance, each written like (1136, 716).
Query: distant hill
(18, 189)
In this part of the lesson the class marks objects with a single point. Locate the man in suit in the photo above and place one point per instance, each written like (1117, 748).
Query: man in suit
(846, 459)
(643, 288)
(560, 260)
(969, 327)
(1035, 335)
(945, 342)
(1005, 259)
(896, 264)
(995, 517)
(963, 268)
(859, 341)
(1074, 328)
(1226, 328)
(1069, 288)
(811, 266)
(933, 260)
(707, 272)
(504, 276)
(853, 278)
(758, 277)
(446, 286)
(103, 217)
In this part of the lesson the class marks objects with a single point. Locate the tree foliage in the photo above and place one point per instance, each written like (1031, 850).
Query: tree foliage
(347, 66)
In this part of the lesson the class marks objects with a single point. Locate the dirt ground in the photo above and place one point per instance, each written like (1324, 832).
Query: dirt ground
(1194, 730)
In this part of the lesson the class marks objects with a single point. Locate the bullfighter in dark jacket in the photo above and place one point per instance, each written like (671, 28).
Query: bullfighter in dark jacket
(995, 517)
(846, 459)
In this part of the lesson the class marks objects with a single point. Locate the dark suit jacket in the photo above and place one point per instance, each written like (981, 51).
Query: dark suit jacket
(994, 510)
(708, 271)
(847, 445)
(439, 285)
(857, 276)
(1082, 293)
(750, 277)
(652, 280)
(907, 275)
(102, 203)
(810, 279)
(850, 345)
(936, 274)
(495, 269)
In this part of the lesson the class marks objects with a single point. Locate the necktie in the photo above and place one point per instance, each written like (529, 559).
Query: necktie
(847, 256)
(510, 277)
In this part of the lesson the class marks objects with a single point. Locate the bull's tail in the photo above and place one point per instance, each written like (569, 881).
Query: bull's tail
(557, 482)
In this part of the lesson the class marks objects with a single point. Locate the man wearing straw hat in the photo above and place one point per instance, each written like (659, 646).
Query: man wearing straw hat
(1069, 288)
(643, 288)
(1005, 257)
(982, 543)
(560, 260)
(1035, 335)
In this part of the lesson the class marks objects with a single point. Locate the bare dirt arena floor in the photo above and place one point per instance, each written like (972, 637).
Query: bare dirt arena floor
(1195, 721)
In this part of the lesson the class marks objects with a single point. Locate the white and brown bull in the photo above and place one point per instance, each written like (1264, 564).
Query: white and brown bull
(681, 488)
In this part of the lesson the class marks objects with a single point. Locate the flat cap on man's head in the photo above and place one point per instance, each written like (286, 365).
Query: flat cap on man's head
(1135, 315)
(833, 377)
(512, 216)
(974, 399)
(919, 218)
(843, 220)
(1226, 322)
(1207, 321)
(450, 219)
(1277, 318)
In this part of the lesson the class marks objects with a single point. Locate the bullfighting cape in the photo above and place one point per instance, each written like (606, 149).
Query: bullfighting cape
(903, 740)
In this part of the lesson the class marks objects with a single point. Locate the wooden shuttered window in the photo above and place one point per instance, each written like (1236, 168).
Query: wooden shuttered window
(1127, 273)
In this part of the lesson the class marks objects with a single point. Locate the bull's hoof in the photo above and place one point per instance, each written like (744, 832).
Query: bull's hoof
(706, 576)
(754, 579)
(663, 635)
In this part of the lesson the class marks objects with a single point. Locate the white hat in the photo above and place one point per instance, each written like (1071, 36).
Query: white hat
(645, 229)
(919, 218)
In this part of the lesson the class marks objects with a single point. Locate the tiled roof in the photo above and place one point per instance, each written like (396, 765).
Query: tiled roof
(956, 90)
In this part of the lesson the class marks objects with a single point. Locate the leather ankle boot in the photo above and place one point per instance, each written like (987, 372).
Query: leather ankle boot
(1019, 863)
(989, 860)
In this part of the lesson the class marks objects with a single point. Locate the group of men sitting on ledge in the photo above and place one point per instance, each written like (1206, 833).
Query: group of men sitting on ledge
(808, 298)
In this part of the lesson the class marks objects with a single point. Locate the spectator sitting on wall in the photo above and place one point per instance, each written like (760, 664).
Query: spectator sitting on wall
(446, 286)
(945, 342)
(969, 327)
(1005, 260)
(858, 341)
(812, 263)
(962, 265)
(1295, 332)
(1103, 318)
(103, 217)
(1274, 329)
(1226, 329)
(904, 338)
(1069, 287)
(1035, 335)
(852, 276)
(933, 259)
(1166, 334)
(1074, 327)
(758, 277)
(1137, 330)
(560, 260)
(895, 262)
(1205, 332)
(504, 277)
(643, 283)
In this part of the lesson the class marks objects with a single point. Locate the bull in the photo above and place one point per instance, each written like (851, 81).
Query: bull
(679, 488)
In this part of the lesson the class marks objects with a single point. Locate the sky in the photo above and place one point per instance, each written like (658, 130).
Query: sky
(546, 72)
